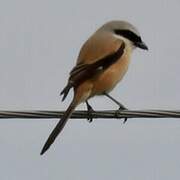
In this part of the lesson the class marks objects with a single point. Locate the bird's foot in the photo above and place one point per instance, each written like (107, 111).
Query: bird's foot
(90, 110)
(121, 108)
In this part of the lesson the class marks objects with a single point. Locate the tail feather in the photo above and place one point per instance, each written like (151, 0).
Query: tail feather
(65, 91)
(59, 127)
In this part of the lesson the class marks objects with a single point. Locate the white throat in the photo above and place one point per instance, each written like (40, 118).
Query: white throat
(127, 41)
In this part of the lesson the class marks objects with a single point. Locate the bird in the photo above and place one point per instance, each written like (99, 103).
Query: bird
(102, 62)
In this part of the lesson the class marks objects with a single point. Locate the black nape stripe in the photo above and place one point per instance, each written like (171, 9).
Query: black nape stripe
(129, 35)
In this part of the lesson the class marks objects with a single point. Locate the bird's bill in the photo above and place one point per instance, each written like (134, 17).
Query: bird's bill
(141, 45)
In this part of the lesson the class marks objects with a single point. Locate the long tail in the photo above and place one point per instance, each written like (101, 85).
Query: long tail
(59, 127)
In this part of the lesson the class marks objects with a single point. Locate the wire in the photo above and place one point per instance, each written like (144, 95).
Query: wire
(108, 114)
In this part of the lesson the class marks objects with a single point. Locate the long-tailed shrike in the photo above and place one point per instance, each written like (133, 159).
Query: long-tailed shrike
(103, 60)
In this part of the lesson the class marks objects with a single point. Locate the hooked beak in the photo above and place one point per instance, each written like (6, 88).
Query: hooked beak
(141, 45)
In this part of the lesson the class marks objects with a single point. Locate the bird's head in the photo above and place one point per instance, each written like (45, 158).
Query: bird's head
(123, 29)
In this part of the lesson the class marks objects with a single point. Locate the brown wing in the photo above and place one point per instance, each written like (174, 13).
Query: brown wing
(95, 55)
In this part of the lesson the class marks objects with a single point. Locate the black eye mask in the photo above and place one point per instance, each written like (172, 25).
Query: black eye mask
(129, 35)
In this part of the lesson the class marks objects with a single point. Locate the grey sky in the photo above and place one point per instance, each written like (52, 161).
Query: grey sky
(39, 43)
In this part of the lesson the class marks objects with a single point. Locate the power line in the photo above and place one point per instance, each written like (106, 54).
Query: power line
(108, 114)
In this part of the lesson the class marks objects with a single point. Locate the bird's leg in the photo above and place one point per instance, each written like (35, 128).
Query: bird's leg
(89, 110)
(121, 106)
